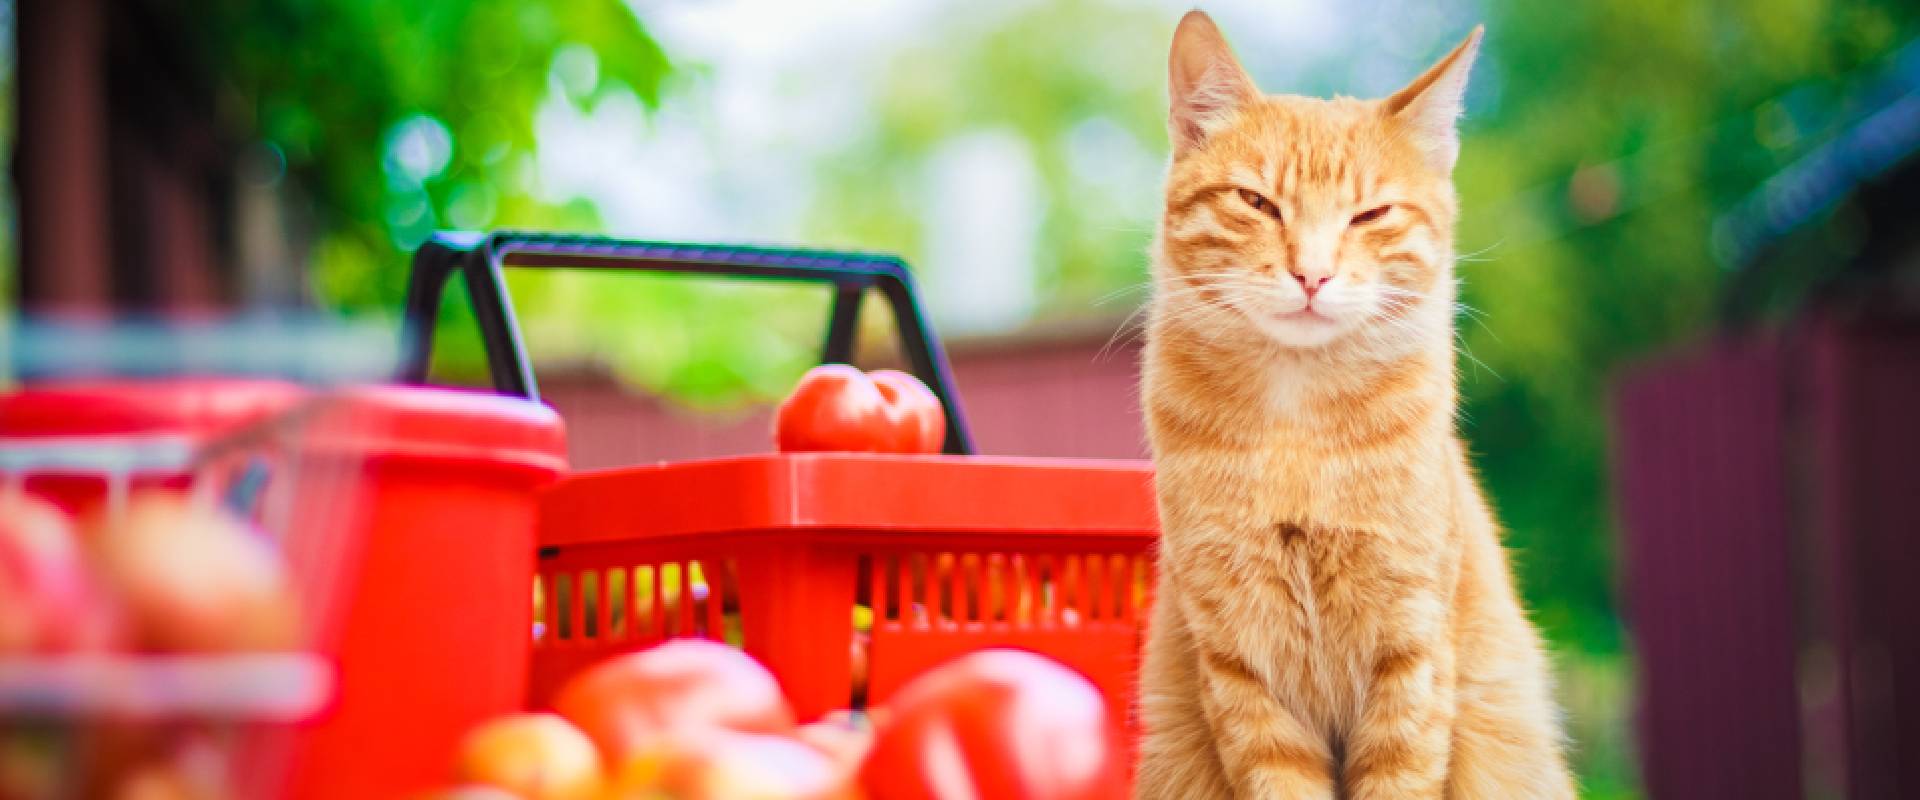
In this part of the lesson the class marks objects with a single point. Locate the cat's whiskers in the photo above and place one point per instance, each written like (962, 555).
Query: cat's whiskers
(1198, 308)
(1460, 346)
(1123, 327)
(1476, 255)
(1145, 287)
(1396, 303)
(1132, 327)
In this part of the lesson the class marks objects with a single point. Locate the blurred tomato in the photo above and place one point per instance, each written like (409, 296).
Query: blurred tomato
(842, 737)
(472, 791)
(534, 756)
(837, 407)
(48, 602)
(720, 764)
(630, 702)
(193, 767)
(195, 579)
(996, 724)
(161, 782)
(31, 765)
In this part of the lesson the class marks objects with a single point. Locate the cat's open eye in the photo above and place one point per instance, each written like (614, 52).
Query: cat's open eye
(1260, 204)
(1371, 214)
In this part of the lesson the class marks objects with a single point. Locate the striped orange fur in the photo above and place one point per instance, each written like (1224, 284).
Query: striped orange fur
(1335, 615)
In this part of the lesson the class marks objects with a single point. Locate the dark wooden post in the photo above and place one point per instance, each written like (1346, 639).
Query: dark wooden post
(60, 161)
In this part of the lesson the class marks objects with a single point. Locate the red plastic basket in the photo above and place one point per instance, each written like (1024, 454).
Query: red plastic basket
(443, 487)
(86, 714)
(779, 554)
(846, 574)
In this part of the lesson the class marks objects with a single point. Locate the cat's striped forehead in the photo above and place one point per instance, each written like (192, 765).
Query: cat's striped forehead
(1291, 145)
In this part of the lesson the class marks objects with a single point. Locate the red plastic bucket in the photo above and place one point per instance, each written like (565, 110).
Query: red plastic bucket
(436, 640)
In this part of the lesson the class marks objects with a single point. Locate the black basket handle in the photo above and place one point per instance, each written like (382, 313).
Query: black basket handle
(482, 257)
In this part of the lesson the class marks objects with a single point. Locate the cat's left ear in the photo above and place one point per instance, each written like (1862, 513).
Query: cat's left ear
(1430, 106)
(1205, 83)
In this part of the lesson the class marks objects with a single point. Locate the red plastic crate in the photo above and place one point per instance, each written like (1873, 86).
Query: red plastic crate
(950, 554)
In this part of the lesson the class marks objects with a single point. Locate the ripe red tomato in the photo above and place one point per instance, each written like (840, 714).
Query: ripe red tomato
(631, 702)
(996, 724)
(838, 407)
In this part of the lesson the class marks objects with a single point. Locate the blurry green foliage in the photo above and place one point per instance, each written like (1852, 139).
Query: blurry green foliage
(709, 345)
(1613, 135)
(1077, 80)
(397, 119)
(1589, 186)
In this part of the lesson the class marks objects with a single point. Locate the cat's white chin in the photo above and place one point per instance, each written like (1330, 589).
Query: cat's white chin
(1302, 329)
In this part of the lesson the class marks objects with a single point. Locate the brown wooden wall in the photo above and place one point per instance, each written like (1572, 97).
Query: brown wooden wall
(1062, 397)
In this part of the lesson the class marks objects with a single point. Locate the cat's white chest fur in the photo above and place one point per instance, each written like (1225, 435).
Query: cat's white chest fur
(1289, 388)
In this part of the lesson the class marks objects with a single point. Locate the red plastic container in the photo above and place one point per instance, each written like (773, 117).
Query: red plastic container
(946, 554)
(434, 639)
(190, 410)
(283, 459)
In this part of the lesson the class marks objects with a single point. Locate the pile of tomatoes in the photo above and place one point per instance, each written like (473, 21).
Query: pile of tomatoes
(162, 581)
(163, 575)
(696, 720)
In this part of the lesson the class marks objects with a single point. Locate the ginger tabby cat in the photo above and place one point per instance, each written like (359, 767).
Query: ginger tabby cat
(1335, 616)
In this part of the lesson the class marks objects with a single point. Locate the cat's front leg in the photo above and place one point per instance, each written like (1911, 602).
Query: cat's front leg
(1177, 756)
(1265, 749)
(1268, 752)
(1399, 748)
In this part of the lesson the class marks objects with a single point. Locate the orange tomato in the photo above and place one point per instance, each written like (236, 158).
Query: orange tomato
(160, 782)
(189, 767)
(468, 792)
(720, 764)
(837, 407)
(841, 737)
(534, 756)
(631, 702)
(195, 579)
(996, 724)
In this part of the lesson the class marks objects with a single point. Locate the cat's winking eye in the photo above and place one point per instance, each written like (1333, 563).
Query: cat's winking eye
(1371, 214)
(1260, 204)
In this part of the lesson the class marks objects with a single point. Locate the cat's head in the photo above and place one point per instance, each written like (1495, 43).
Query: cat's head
(1304, 221)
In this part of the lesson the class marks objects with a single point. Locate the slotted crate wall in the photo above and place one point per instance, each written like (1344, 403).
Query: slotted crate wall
(824, 566)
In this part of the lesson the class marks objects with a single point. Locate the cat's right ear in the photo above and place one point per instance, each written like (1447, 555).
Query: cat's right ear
(1429, 108)
(1205, 83)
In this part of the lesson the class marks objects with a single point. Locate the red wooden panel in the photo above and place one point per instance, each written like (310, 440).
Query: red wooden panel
(1699, 466)
(1863, 419)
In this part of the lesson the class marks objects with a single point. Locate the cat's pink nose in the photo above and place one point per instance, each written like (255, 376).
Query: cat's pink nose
(1311, 281)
